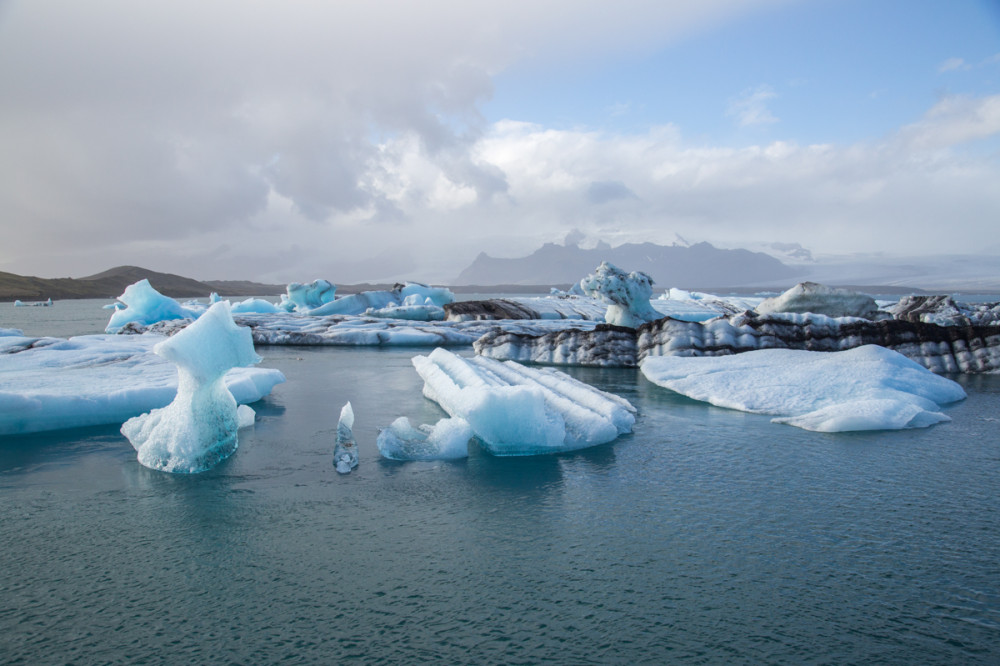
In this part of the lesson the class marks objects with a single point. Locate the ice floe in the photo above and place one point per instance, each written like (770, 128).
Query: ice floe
(55, 383)
(820, 299)
(866, 388)
(198, 429)
(515, 410)
(945, 311)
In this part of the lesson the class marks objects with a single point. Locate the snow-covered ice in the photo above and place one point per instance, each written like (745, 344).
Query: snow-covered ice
(55, 383)
(198, 429)
(515, 410)
(866, 388)
(627, 294)
(820, 299)
(345, 454)
(445, 440)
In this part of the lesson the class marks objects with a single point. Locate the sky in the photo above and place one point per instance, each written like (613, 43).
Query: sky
(374, 140)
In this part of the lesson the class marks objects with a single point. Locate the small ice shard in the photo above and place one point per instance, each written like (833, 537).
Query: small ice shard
(345, 455)
(516, 411)
(198, 429)
(627, 295)
(820, 299)
(865, 388)
(245, 416)
(445, 440)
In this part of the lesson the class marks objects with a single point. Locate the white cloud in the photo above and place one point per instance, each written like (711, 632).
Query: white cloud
(952, 64)
(750, 108)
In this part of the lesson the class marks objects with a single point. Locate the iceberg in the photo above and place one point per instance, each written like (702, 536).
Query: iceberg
(144, 305)
(627, 295)
(199, 428)
(820, 299)
(408, 294)
(447, 439)
(515, 410)
(945, 311)
(253, 306)
(603, 346)
(866, 388)
(345, 454)
(533, 308)
(304, 297)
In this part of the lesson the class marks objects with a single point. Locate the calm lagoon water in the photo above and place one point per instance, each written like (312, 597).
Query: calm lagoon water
(706, 536)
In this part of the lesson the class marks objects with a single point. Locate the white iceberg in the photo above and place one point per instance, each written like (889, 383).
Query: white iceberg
(145, 305)
(515, 410)
(199, 428)
(447, 439)
(865, 388)
(627, 295)
(820, 299)
(345, 454)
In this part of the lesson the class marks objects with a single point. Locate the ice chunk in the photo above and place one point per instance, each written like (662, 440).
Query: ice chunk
(145, 305)
(515, 410)
(199, 428)
(255, 306)
(865, 388)
(627, 294)
(447, 439)
(345, 455)
(303, 297)
(245, 416)
(820, 299)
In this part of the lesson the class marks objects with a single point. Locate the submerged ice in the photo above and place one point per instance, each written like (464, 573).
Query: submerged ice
(199, 428)
(515, 410)
(865, 388)
(445, 440)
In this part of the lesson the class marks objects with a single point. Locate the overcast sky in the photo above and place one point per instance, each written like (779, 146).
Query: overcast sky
(369, 140)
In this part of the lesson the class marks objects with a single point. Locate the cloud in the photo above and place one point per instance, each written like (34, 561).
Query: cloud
(750, 108)
(952, 64)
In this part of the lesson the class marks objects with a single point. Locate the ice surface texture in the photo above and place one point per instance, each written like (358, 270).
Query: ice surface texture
(627, 294)
(866, 388)
(515, 410)
(820, 299)
(604, 346)
(345, 454)
(54, 383)
(199, 428)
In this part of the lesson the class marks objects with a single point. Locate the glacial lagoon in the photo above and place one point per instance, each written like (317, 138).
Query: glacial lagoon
(705, 536)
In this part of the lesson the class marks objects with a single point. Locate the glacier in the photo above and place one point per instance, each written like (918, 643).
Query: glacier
(865, 388)
(514, 410)
(198, 429)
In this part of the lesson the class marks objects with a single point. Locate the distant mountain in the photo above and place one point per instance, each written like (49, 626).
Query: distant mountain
(697, 266)
(111, 283)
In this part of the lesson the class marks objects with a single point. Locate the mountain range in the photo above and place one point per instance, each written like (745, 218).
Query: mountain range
(695, 266)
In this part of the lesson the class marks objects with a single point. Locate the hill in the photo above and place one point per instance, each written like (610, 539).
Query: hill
(697, 266)
(111, 283)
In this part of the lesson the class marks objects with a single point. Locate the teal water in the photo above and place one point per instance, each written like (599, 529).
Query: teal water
(706, 536)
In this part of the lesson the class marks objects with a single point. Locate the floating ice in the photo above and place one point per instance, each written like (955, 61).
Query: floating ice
(516, 410)
(866, 388)
(945, 311)
(304, 297)
(445, 440)
(199, 428)
(699, 306)
(411, 293)
(345, 454)
(54, 383)
(145, 305)
(627, 294)
(255, 306)
(820, 299)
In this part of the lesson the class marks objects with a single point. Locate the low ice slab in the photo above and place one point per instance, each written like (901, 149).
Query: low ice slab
(199, 428)
(820, 299)
(515, 410)
(55, 383)
(866, 388)
(447, 439)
